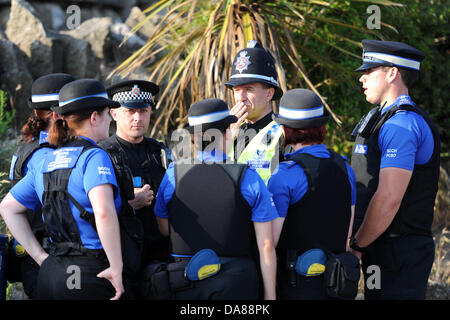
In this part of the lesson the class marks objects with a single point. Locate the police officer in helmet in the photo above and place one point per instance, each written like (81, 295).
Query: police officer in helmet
(396, 162)
(254, 83)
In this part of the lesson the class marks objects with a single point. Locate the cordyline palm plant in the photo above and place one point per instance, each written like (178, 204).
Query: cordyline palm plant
(199, 40)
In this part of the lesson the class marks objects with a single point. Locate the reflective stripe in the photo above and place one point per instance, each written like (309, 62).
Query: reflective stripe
(208, 118)
(399, 61)
(296, 114)
(99, 95)
(45, 97)
(258, 155)
(247, 75)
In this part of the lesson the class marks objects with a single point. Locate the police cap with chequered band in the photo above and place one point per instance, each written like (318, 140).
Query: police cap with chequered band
(134, 94)
(45, 90)
(390, 53)
(254, 64)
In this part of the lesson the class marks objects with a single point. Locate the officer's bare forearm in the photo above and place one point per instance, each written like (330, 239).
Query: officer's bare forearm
(14, 215)
(384, 204)
(107, 224)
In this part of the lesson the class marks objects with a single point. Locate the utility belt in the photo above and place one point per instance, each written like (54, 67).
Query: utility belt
(340, 271)
(74, 249)
(161, 280)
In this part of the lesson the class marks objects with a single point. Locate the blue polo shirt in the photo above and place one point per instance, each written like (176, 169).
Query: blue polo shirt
(93, 168)
(253, 190)
(405, 139)
(289, 183)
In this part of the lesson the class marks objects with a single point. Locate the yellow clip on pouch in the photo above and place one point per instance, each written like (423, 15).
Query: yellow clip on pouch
(311, 263)
(205, 263)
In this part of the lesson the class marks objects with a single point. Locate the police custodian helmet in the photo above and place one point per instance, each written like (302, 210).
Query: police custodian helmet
(254, 64)
(390, 53)
(134, 94)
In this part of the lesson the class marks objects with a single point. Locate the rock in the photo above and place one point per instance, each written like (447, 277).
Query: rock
(15, 77)
(438, 291)
(25, 29)
(136, 16)
(75, 57)
(52, 15)
(4, 17)
(96, 31)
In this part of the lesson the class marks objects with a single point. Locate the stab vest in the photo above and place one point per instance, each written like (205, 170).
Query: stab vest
(208, 210)
(151, 171)
(22, 155)
(415, 214)
(321, 219)
(58, 219)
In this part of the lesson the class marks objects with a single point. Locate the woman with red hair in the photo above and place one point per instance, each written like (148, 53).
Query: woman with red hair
(314, 192)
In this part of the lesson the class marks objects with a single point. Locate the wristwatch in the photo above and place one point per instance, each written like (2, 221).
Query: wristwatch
(354, 245)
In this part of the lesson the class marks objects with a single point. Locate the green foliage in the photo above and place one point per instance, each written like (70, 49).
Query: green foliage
(6, 117)
(6, 148)
(422, 24)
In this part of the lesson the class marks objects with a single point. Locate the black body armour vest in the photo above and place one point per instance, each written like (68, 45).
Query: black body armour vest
(23, 153)
(321, 219)
(415, 214)
(208, 210)
(150, 168)
(58, 218)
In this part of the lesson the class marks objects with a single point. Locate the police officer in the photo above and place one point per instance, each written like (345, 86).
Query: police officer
(144, 156)
(77, 189)
(254, 84)
(210, 204)
(396, 162)
(34, 146)
(314, 192)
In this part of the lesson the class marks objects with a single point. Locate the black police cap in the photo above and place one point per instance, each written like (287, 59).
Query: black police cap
(134, 94)
(45, 90)
(390, 53)
(83, 94)
(301, 109)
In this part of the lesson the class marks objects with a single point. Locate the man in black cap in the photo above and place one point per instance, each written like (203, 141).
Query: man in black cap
(254, 84)
(145, 157)
(396, 162)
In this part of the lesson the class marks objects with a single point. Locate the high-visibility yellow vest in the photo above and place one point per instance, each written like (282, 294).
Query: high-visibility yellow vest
(260, 151)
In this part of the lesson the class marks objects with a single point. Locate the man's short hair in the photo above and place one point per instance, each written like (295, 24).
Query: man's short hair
(409, 76)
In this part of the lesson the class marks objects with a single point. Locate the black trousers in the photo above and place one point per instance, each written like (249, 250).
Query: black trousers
(404, 264)
(307, 288)
(73, 278)
(238, 279)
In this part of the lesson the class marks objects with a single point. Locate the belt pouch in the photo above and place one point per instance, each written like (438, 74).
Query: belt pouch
(177, 278)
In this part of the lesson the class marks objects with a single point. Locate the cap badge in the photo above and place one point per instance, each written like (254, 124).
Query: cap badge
(242, 61)
(135, 90)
